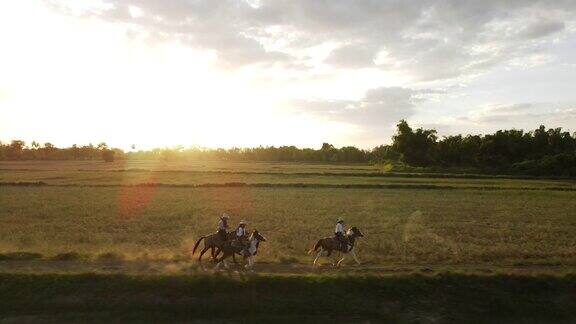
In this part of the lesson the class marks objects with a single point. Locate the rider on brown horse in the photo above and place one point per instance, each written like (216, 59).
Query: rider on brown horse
(222, 226)
(339, 235)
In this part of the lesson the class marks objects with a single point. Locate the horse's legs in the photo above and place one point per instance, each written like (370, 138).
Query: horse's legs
(354, 256)
(318, 256)
(343, 257)
(221, 261)
(250, 262)
(202, 253)
(234, 258)
(212, 253)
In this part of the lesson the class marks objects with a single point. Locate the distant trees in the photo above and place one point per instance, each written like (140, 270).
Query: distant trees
(539, 152)
(384, 153)
(14, 150)
(108, 155)
(18, 150)
(416, 147)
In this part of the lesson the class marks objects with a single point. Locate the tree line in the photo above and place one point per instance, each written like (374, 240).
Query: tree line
(539, 152)
(20, 150)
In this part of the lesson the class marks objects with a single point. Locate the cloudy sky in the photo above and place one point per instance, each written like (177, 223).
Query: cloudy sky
(281, 72)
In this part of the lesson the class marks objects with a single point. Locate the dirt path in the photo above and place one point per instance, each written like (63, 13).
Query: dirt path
(184, 267)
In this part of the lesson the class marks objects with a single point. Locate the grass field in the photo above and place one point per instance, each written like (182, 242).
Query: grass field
(100, 211)
(447, 226)
(193, 178)
(446, 298)
(201, 166)
(141, 219)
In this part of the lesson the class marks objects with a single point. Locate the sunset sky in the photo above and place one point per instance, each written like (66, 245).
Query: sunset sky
(281, 72)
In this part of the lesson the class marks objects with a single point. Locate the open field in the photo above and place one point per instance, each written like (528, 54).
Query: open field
(437, 248)
(73, 212)
(222, 173)
(194, 178)
(201, 166)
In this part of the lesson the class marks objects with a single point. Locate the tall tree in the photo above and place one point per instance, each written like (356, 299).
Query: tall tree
(415, 147)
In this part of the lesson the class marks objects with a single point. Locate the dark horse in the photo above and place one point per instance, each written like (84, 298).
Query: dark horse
(229, 250)
(212, 242)
(325, 246)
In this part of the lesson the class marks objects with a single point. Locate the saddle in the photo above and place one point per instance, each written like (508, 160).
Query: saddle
(229, 238)
(343, 245)
(239, 244)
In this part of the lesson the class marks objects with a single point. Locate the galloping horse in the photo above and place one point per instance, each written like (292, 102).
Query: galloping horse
(212, 242)
(329, 244)
(229, 250)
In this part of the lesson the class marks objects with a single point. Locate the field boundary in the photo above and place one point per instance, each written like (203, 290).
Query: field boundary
(287, 185)
(326, 174)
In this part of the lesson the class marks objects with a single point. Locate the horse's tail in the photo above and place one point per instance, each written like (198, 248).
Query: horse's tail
(197, 243)
(316, 246)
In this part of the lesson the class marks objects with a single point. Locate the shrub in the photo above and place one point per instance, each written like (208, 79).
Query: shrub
(560, 164)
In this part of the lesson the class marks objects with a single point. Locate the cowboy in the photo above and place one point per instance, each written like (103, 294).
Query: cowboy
(339, 234)
(222, 226)
(241, 237)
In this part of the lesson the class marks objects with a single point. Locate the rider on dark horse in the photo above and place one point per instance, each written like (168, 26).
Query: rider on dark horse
(222, 226)
(339, 235)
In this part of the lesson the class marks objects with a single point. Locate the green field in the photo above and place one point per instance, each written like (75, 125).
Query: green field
(141, 219)
(445, 298)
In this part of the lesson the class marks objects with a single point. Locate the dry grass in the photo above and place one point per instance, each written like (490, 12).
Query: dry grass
(401, 226)
(151, 165)
(202, 178)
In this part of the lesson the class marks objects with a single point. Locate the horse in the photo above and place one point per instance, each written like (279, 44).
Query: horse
(212, 242)
(328, 244)
(229, 250)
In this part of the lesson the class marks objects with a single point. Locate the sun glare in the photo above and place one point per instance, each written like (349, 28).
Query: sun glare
(96, 81)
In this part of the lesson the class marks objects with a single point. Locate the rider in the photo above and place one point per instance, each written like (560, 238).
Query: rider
(222, 226)
(339, 234)
(241, 236)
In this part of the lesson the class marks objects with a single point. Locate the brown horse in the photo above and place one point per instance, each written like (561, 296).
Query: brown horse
(229, 250)
(212, 242)
(325, 246)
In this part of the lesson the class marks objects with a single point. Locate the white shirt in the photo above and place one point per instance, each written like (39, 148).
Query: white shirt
(339, 228)
(240, 231)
